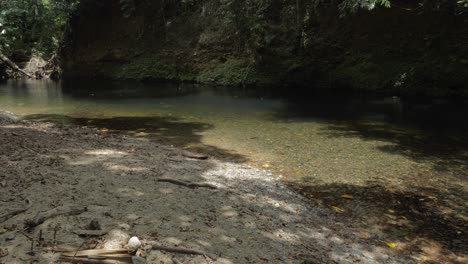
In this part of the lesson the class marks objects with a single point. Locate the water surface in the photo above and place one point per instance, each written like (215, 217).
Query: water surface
(309, 138)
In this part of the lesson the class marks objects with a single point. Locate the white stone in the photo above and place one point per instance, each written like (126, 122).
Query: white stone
(134, 243)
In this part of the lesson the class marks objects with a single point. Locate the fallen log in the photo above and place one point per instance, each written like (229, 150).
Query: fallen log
(188, 184)
(183, 251)
(41, 217)
(13, 65)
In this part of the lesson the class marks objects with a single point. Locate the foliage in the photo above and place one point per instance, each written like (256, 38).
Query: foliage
(33, 26)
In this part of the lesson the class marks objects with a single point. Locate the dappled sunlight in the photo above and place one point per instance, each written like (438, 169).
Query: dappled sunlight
(248, 212)
(106, 152)
(123, 168)
(129, 192)
(165, 190)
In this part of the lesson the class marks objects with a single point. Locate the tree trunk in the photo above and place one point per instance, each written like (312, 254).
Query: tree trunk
(13, 65)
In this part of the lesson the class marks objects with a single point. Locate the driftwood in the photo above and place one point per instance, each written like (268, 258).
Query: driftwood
(41, 217)
(101, 256)
(183, 251)
(194, 155)
(188, 184)
(13, 65)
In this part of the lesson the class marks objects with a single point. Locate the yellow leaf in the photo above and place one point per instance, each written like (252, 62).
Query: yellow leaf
(337, 209)
(104, 130)
(391, 211)
(346, 196)
(391, 245)
(266, 165)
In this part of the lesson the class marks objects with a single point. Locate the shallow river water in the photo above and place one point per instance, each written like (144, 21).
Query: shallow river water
(312, 139)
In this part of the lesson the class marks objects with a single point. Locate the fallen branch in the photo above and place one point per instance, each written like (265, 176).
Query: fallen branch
(61, 210)
(188, 184)
(83, 232)
(13, 65)
(183, 251)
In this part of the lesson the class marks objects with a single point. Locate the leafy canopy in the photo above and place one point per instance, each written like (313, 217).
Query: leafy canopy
(33, 26)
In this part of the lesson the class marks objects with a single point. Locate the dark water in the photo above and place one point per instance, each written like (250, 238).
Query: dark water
(310, 137)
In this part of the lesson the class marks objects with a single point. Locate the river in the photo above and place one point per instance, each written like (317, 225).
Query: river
(313, 139)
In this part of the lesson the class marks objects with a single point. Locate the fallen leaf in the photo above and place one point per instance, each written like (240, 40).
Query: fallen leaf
(391, 245)
(337, 209)
(391, 211)
(266, 165)
(346, 196)
(104, 130)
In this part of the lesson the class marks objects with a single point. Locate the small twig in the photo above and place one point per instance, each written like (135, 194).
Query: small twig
(26, 235)
(188, 184)
(31, 252)
(176, 261)
(78, 249)
(39, 243)
(55, 237)
(30, 149)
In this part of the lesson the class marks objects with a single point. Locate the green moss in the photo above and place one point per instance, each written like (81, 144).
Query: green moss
(231, 72)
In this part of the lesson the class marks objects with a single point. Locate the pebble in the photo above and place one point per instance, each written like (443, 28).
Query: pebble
(134, 243)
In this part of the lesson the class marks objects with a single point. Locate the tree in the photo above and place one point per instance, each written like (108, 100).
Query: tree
(33, 26)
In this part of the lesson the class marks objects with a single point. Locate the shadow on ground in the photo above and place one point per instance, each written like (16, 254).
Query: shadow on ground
(164, 130)
(428, 221)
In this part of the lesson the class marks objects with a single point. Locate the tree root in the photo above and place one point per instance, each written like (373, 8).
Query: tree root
(188, 184)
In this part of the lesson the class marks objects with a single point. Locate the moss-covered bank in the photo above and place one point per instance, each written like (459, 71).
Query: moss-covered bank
(407, 49)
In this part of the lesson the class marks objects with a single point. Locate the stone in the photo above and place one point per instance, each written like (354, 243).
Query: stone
(134, 243)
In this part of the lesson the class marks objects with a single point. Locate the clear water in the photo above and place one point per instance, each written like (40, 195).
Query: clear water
(311, 138)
